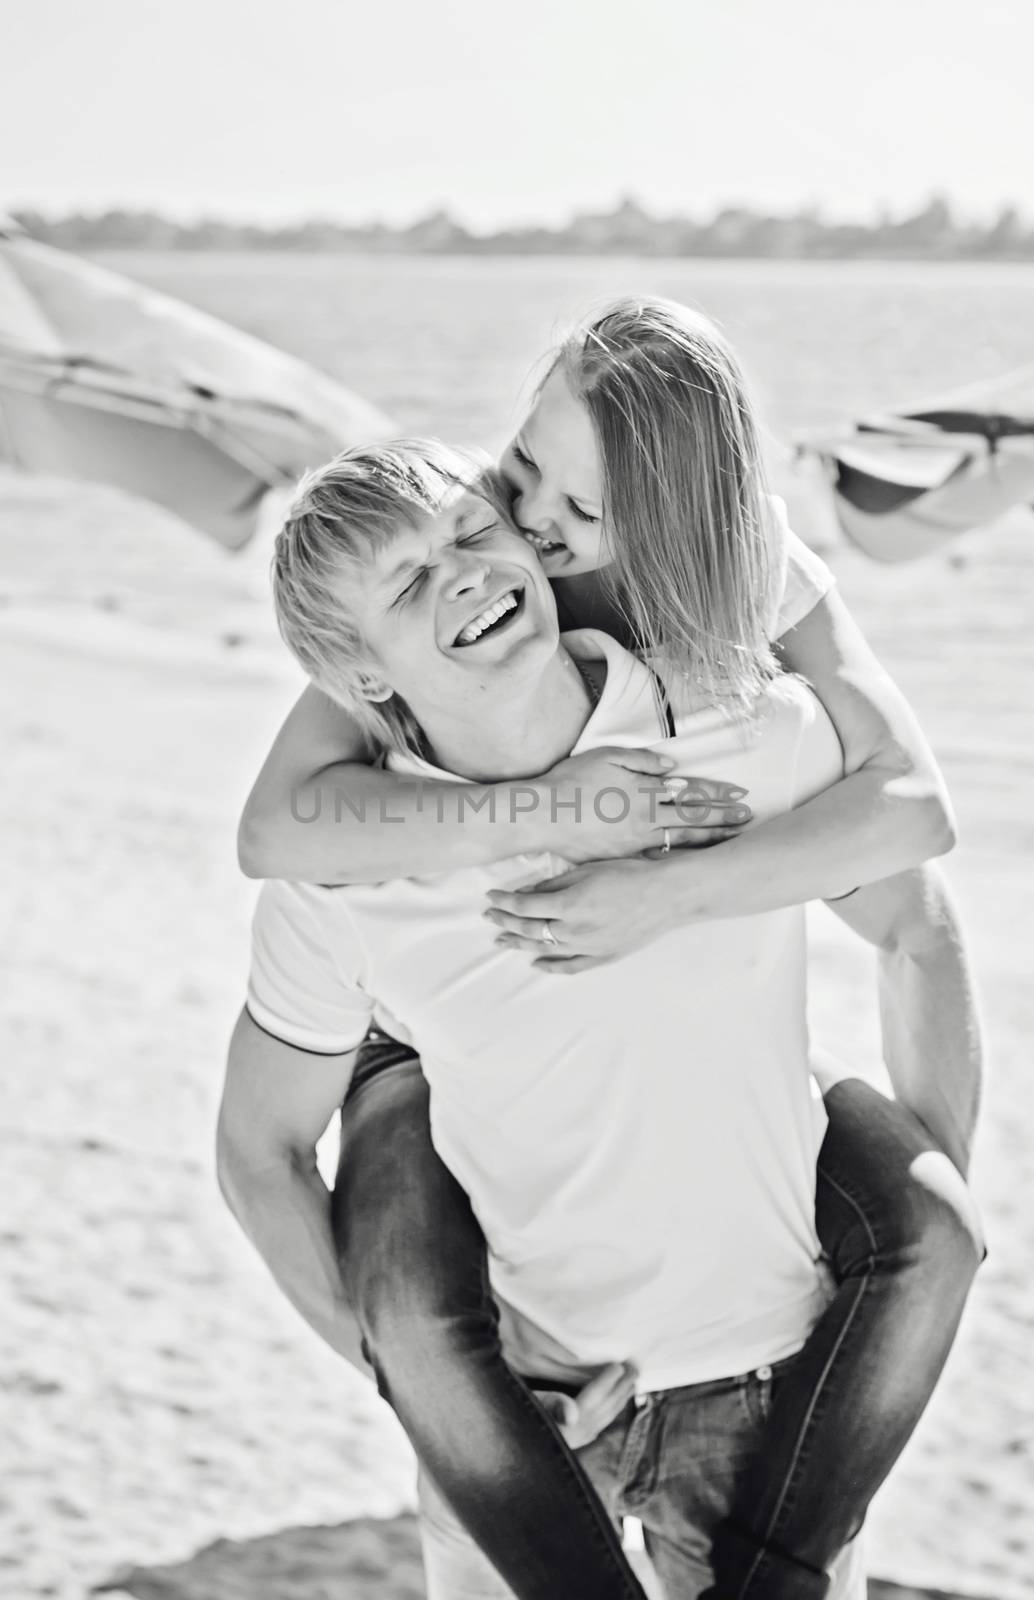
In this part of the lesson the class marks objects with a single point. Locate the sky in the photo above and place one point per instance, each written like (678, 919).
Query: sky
(513, 113)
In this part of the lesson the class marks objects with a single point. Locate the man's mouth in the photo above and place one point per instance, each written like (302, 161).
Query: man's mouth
(541, 546)
(494, 619)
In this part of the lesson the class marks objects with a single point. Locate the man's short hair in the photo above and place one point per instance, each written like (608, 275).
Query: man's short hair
(342, 514)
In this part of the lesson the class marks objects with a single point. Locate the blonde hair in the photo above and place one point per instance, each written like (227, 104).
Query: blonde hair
(341, 514)
(683, 490)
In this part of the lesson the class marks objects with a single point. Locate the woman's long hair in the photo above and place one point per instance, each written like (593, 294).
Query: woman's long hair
(683, 491)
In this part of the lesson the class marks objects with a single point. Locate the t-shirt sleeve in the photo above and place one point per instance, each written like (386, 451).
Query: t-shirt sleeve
(820, 759)
(299, 988)
(798, 577)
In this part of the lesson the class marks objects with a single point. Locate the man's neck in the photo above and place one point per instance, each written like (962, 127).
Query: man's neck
(513, 730)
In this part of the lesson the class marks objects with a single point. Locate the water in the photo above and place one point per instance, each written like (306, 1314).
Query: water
(446, 344)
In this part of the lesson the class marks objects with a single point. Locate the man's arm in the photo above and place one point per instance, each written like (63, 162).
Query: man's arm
(277, 1101)
(932, 1037)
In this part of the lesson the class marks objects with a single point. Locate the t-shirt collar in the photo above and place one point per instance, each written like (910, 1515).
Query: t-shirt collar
(627, 703)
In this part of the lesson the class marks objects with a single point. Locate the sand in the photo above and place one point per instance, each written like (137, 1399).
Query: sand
(171, 1428)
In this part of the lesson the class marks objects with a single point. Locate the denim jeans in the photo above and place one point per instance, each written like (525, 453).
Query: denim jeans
(674, 1461)
(897, 1226)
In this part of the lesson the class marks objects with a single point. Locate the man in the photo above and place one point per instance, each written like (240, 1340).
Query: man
(640, 1207)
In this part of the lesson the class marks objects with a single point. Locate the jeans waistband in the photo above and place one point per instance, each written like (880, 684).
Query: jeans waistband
(738, 1380)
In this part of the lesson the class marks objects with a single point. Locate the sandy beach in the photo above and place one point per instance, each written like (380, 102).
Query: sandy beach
(172, 1430)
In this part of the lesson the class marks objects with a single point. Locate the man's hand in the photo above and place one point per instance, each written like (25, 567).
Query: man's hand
(583, 1419)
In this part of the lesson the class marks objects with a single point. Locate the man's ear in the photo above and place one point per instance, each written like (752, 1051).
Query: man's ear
(373, 687)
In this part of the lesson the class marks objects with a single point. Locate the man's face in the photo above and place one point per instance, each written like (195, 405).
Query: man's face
(452, 606)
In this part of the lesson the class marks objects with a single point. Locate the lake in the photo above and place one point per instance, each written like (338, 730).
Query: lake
(445, 344)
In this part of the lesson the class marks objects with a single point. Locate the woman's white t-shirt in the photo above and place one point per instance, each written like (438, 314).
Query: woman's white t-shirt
(798, 577)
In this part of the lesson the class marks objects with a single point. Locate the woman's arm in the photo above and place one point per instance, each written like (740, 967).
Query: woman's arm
(319, 813)
(890, 813)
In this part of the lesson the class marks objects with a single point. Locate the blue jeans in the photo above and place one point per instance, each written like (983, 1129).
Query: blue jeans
(674, 1461)
(903, 1246)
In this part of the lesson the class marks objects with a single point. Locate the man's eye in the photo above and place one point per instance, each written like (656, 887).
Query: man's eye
(410, 588)
(521, 458)
(479, 533)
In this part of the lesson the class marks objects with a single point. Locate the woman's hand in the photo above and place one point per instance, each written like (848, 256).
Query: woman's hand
(615, 802)
(583, 1419)
(585, 917)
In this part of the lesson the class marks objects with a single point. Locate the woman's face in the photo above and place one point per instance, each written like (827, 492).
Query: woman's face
(553, 469)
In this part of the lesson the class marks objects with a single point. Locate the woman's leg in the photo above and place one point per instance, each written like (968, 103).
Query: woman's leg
(897, 1224)
(414, 1265)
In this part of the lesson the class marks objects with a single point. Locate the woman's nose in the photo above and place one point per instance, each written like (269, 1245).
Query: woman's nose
(532, 510)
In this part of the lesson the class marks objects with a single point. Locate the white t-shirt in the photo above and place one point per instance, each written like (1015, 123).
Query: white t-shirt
(639, 1142)
(798, 578)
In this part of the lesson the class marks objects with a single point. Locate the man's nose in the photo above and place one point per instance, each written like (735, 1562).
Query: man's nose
(466, 573)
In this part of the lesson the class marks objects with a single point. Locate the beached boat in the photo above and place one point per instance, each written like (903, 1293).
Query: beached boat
(104, 379)
(904, 484)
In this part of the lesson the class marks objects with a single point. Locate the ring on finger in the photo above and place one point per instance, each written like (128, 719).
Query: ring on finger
(666, 846)
(547, 936)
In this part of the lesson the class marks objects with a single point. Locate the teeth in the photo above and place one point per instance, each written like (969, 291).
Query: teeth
(475, 629)
(539, 543)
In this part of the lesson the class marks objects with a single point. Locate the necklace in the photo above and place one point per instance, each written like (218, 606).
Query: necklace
(592, 687)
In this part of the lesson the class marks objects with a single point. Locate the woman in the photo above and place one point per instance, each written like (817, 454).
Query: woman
(637, 477)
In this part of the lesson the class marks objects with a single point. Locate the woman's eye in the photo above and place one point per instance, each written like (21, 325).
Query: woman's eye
(583, 516)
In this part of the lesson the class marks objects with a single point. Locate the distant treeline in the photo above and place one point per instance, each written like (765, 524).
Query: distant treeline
(931, 233)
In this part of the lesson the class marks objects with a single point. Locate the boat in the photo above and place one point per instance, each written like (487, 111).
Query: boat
(104, 379)
(906, 483)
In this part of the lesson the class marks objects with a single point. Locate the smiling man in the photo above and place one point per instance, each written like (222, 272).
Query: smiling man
(451, 614)
(645, 1205)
